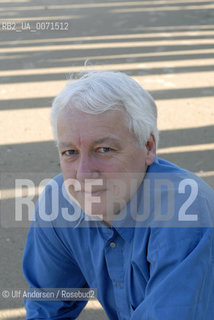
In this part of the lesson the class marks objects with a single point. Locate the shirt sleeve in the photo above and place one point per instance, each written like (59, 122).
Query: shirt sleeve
(181, 283)
(47, 263)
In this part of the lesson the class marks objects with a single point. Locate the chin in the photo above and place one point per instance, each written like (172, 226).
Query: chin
(94, 211)
(107, 209)
(99, 212)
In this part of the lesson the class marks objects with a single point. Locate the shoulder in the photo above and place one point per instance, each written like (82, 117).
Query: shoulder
(180, 198)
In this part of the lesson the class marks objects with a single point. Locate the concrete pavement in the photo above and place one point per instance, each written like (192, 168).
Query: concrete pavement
(168, 46)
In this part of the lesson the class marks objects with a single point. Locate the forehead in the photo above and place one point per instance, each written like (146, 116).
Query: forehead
(73, 113)
(74, 123)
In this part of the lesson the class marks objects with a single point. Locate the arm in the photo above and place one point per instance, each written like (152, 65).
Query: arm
(48, 263)
(181, 283)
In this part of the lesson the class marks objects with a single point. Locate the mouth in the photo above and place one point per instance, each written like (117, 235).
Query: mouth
(94, 193)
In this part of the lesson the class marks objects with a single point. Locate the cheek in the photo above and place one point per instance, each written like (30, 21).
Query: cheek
(138, 162)
(68, 169)
(132, 165)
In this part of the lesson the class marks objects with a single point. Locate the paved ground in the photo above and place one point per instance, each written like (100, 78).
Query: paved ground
(168, 46)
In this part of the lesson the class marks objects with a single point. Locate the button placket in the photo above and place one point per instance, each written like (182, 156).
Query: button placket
(112, 244)
(115, 263)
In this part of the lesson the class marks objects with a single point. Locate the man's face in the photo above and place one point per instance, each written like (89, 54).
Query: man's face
(101, 150)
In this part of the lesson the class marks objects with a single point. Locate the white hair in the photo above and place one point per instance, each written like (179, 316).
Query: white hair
(98, 91)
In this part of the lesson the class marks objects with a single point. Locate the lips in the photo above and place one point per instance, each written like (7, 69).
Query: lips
(94, 192)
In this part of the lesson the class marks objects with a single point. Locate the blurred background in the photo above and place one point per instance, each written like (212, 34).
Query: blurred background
(167, 46)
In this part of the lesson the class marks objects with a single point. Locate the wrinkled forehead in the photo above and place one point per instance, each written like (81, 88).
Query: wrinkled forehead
(74, 123)
(73, 113)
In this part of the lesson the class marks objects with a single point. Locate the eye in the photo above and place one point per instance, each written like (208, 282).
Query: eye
(104, 150)
(70, 152)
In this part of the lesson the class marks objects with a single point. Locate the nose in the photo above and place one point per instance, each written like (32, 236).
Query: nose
(86, 168)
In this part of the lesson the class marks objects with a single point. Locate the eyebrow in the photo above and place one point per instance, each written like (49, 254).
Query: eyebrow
(64, 144)
(107, 139)
(99, 141)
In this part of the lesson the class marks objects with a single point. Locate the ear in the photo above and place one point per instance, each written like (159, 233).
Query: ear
(150, 150)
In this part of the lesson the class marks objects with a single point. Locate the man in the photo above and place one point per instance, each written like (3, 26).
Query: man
(137, 228)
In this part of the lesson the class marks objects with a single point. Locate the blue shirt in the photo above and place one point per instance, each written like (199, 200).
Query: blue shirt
(153, 269)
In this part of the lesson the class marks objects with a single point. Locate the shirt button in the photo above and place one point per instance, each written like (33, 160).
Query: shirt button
(118, 285)
(112, 244)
